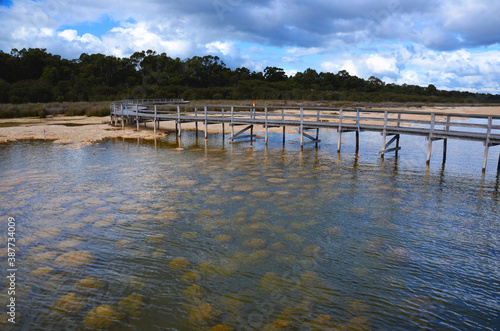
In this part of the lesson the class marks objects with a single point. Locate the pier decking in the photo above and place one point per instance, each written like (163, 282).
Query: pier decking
(390, 123)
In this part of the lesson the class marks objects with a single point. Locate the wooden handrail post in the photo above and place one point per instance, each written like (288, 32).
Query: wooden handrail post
(340, 130)
(206, 123)
(431, 133)
(488, 134)
(265, 124)
(384, 135)
(301, 126)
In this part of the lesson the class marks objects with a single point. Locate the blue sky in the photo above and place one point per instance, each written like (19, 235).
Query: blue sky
(453, 44)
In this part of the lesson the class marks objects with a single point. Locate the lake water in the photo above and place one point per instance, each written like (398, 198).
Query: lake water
(190, 235)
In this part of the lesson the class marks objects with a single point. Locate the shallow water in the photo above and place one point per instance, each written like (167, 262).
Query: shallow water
(189, 234)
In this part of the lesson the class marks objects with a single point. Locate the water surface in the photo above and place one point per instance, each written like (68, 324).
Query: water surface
(180, 235)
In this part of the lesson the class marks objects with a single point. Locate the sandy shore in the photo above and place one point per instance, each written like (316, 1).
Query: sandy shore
(73, 130)
(81, 130)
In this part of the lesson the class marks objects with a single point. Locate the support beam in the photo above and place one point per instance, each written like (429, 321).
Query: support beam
(386, 148)
(238, 135)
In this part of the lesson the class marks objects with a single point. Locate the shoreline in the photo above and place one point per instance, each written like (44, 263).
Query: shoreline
(77, 131)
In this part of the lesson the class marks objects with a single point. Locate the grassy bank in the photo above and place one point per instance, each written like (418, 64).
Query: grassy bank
(55, 108)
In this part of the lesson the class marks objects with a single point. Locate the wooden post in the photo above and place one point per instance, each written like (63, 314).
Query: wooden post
(206, 123)
(301, 127)
(232, 122)
(179, 119)
(498, 166)
(445, 141)
(284, 127)
(398, 136)
(429, 149)
(137, 116)
(359, 129)
(488, 133)
(397, 145)
(340, 131)
(196, 120)
(223, 130)
(154, 122)
(384, 134)
(265, 122)
(317, 130)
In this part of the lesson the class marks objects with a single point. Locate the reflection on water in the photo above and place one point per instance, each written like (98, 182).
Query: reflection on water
(187, 235)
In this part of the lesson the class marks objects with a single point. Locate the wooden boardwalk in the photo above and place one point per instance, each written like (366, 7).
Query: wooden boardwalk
(390, 123)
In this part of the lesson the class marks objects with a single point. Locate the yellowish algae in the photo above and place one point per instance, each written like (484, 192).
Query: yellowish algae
(41, 257)
(179, 263)
(42, 271)
(311, 251)
(254, 243)
(132, 304)
(294, 238)
(156, 238)
(70, 243)
(275, 180)
(221, 327)
(324, 322)
(398, 255)
(101, 317)
(192, 276)
(74, 258)
(193, 292)
(47, 233)
(136, 282)
(278, 325)
(75, 226)
(223, 238)
(334, 231)
(359, 323)
(69, 304)
(190, 235)
(203, 314)
(90, 284)
(357, 307)
(260, 194)
(309, 278)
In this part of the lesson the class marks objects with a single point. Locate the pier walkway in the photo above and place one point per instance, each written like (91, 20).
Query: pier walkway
(309, 120)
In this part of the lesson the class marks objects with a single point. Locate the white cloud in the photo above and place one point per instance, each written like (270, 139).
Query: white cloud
(122, 41)
(380, 65)
(225, 48)
(68, 34)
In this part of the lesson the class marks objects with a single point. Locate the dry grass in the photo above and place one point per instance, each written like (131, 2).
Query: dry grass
(65, 108)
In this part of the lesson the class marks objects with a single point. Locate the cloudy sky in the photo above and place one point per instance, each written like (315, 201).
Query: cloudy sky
(453, 44)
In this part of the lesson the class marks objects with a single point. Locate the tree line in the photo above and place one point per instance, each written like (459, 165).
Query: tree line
(34, 75)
